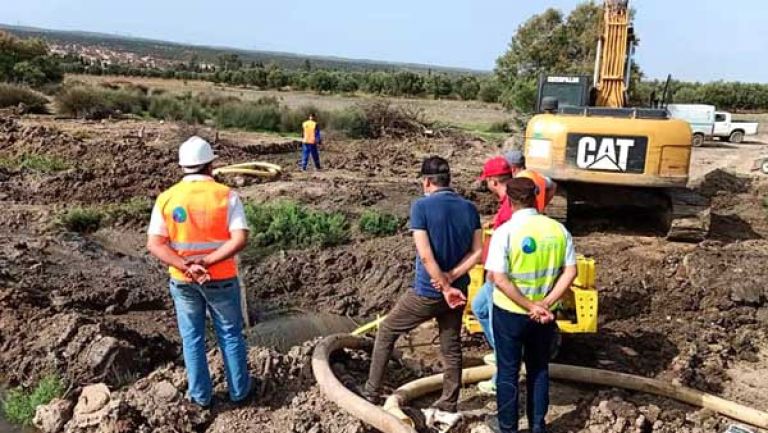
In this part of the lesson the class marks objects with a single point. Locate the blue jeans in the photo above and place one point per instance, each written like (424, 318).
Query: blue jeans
(222, 300)
(482, 307)
(520, 338)
(306, 151)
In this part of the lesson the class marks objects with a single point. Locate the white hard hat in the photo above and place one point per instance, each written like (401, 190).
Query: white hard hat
(195, 152)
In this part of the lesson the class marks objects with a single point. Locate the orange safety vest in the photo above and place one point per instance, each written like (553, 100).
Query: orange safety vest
(197, 216)
(309, 127)
(541, 187)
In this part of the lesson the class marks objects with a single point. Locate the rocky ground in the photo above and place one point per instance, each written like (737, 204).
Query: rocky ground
(95, 309)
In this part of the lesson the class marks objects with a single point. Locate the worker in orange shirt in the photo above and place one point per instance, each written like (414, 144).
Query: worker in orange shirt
(310, 141)
(197, 227)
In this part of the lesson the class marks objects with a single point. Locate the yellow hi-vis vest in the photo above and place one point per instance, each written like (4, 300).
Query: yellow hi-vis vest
(535, 261)
(197, 217)
(309, 127)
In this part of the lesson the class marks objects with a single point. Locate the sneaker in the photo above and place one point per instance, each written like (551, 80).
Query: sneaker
(490, 359)
(487, 387)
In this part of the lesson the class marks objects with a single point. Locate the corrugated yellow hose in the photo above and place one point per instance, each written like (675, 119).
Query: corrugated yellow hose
(254, 168)
(391, 419)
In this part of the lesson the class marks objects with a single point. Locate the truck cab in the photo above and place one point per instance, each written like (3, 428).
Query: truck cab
(731, 130)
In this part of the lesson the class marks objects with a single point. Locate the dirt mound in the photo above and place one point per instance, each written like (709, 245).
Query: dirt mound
(101, 170)
(617, 411)
(677, 312)
(286, 399)
(359, 280)
(66, 304)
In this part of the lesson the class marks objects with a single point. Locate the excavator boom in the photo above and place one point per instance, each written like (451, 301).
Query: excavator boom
(613, 56)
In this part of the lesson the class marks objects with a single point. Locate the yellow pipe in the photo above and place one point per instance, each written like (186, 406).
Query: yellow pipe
(253, 168)
(255, 164)
(369, 326)
(393, 420)
(421, 387)
(338, 393)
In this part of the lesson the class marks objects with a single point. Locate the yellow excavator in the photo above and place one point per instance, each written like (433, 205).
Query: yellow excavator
(603, 154)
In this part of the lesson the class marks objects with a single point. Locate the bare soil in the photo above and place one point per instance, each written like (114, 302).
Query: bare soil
(95, 308)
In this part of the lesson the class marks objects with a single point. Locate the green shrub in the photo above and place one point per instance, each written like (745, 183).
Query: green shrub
(500, 126)
(214, 100)
(290, 121)
(290, 225)
(91, 102)
(90, 219)
(127, 101)
(250, 116)
(135, 209)
(81, 220)
(20, 404)
(36, 162)
(378, 224)
(490, 91)
(172, 108)
(12, 95)
(84, 102)
(350, 121)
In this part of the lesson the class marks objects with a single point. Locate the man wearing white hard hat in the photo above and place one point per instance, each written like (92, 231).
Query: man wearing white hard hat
(197, 228)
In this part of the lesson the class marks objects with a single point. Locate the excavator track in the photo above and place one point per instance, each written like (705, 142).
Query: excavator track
(689, 215)
(684, 213)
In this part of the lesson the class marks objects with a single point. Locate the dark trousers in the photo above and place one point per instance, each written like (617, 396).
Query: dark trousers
(519, 338)
(306, 151)
(411, 311)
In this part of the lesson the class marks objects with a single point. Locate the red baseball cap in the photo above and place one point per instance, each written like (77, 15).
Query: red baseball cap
(496, 166)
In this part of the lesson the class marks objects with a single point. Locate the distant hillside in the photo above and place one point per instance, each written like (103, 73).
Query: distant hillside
(176, 52)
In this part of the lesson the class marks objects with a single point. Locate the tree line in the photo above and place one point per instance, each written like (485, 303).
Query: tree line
(401, 83)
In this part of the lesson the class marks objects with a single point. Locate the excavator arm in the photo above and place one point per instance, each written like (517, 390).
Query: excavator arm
(613, 54)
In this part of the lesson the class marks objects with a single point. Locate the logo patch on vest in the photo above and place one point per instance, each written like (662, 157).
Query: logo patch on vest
(529, 245)
(179, 214)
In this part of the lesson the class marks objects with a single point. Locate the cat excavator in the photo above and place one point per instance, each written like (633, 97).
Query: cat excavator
(604, 154)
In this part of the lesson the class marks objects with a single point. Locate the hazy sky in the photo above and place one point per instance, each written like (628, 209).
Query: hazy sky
(692, 39)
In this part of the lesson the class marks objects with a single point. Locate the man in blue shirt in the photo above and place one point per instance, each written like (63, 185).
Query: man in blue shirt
(447, 233)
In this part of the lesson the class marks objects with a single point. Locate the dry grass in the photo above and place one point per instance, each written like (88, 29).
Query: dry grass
(453, 112)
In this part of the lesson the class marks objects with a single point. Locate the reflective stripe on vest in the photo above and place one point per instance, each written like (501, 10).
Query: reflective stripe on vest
(309, 127)
(197, 217)
(535, 261)
(541, 187)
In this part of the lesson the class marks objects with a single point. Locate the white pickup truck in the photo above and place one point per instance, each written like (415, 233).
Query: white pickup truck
(707, 123)
(731, 130)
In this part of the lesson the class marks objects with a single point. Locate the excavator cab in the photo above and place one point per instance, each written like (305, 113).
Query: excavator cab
(568, 90)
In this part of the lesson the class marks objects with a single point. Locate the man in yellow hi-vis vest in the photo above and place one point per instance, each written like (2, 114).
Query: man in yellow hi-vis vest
(311, 139)
(197, 228)
(532, 263)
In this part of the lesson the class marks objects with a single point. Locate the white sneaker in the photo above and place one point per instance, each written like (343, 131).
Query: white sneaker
(490, 359)
(487, 387)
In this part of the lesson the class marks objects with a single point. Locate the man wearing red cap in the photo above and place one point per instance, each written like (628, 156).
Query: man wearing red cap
(496, 172)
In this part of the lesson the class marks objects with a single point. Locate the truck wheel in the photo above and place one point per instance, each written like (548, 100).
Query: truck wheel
(736, 137)
(764, 166)
(698, 140)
